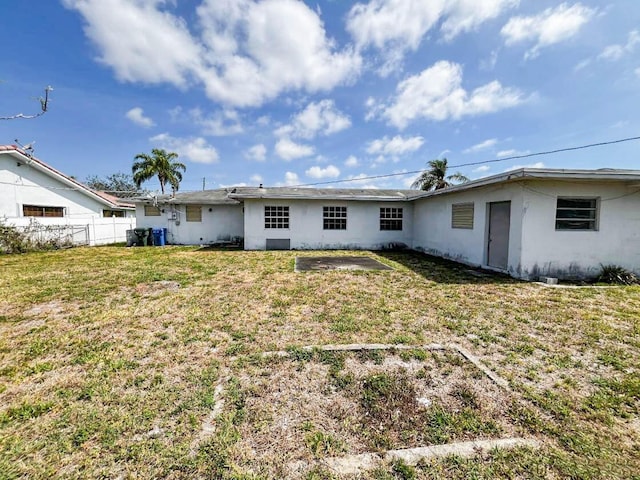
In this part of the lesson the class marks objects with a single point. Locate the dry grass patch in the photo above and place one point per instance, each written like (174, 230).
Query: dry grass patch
(94, 356)
(317, 404)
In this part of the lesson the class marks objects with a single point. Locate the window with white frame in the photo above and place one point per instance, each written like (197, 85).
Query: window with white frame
(334, 218)
(577, 214)
(42, 211)
(462, 215)
(276, 217)
(193, 213)
(390, 218)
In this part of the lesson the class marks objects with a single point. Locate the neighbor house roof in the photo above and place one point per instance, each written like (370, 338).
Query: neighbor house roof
(41, 166)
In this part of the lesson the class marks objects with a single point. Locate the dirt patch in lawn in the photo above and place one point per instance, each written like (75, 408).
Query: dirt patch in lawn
(312, 405)
(306, 264)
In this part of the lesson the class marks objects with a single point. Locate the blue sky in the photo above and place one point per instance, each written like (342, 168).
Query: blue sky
(290, 92)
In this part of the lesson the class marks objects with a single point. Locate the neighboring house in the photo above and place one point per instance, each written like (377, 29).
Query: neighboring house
(33, 191)
(527, 222)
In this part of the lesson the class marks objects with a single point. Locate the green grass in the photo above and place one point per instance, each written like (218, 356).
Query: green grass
(94, 354)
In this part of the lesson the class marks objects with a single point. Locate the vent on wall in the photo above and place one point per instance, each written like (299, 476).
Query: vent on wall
(278, 244)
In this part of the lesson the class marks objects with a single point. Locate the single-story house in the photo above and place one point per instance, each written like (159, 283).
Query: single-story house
(526, 222)
(33, 191)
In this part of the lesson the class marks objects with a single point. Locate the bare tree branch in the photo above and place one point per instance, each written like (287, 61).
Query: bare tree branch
(44, 105)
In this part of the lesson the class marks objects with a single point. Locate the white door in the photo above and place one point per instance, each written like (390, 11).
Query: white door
(498, 238)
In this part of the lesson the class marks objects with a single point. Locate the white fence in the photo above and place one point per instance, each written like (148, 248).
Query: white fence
(87, 231)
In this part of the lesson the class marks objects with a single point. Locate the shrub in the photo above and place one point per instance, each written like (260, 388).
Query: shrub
(618, 275)
(34, 237)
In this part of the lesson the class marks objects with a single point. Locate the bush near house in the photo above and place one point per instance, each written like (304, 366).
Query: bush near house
(34, 237)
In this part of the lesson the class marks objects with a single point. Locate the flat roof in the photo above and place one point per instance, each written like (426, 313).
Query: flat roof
(235, 195)
(524, 174)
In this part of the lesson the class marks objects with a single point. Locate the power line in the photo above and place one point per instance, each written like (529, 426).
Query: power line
(470, 164)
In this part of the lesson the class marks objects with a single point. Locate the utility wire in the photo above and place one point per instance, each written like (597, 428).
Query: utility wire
(470, 164)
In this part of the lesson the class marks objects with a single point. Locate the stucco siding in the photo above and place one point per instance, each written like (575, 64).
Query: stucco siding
(306, 225)
(24, 185)
(434, 234)
(219, 223)
(580, 254)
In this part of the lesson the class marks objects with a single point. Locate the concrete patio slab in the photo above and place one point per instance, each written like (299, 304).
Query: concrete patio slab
(306, 264)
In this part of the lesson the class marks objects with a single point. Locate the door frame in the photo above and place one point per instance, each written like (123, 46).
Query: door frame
(488, 236)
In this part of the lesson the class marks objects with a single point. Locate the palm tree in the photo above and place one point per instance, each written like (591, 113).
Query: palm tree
(436, 177)
(159, 164)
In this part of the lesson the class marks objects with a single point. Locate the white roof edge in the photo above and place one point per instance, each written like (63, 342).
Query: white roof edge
(541, 173)
(310, 197)
(32, 162)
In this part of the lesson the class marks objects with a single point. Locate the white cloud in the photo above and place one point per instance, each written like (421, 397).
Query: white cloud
(481, 146)
(217, 124)
(362, 180)
(582, 65)
(351, 162)
(531, 165)
(289, 150)
(245, 52)
(512, 153)
(136, 115)
(549, 27)
(436, 94)
(616, 52)
(257, 153)
(195, 149)
(468, 15)
(481, 169)
(317, 172)
(394, 146)
(395, 27)
(317, 118)
(290, 179)
(489, 64)
(256, 178)
(637, 72)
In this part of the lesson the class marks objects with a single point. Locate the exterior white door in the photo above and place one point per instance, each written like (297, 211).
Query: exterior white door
(498, 237)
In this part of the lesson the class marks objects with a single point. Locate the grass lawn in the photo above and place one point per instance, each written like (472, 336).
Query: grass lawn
(111, 361)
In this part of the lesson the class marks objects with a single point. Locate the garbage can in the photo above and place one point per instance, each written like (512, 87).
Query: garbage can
(149, 237)
(141, 235)
(131, 238)
(166, 236)
(158, 237)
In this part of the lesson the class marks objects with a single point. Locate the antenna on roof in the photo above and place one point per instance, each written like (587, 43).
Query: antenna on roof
(28, 148)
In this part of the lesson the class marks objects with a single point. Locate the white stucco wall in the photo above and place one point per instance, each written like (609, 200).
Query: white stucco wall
(433, 233)
(579, 254)
(24, 185)
(306, 225)
(219, 223)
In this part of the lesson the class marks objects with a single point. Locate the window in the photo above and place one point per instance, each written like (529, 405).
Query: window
(334, 218)
(577, 214)
(38, 211)
(151, 211)
(112, 213)
(276, 217)
(462, 215)
(194, 213)
(390, 218)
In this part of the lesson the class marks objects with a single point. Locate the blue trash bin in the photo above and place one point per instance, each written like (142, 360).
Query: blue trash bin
(158, 237)
(166, 236)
